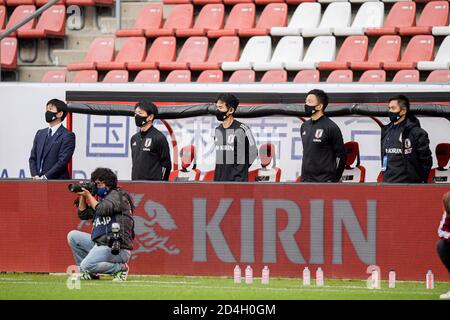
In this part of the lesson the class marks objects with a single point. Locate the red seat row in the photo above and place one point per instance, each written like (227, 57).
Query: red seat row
(39, 3)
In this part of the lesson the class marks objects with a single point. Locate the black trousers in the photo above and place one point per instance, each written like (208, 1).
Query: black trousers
(443, 249)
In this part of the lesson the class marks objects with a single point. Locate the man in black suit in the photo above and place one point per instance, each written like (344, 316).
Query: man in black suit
(53, 147)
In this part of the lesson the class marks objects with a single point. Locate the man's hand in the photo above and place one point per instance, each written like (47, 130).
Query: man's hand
(84, 193)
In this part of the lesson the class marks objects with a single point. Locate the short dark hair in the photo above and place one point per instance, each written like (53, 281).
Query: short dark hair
(321, 96)
(402, 101)
(60, 106)
(231, 101)
(106, 175)
(148, 107)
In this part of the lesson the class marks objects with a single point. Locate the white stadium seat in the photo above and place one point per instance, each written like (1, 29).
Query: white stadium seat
(370, 15)
(289, 49)
(322, 48)
(336, 15)
(441, 31)
(257, 49)
(441, 60)
(307, 15)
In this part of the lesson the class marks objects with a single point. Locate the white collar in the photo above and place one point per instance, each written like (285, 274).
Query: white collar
(55, 128)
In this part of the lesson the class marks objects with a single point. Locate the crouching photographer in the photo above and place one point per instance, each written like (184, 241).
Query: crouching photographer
(107, 249)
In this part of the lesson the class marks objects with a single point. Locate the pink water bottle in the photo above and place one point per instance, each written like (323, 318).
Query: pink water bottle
(265, 275)
(392, 279)
(430, 280)
(248, 275)
(319, 277)
(237, 274)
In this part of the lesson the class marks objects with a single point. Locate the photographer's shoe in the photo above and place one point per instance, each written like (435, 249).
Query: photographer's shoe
(89, 276)
(122, 274)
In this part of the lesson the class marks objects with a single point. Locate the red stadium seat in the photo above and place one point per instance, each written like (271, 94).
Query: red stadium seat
(202, 2)
(307, 76)
(209, 76)
(440, 174)
(147, 76)
(19, 14)
(188, 159)
(2, 16)
(209, 176)
(89, 2)
(181, 17)
(354, 49)
(100, 50)
(8, 53)
(179, 76)
(242, 76)
(163, 49)
(242, 16)
(177, 1)
(434, 14)
(386, 49)
(54, 76)
(274, 76)
(116, 76)
(211, 17)
(340, 76)
(260, 2)
(407, 76)
(402, 14)
(132, 50)
(194, 49)
(15, 3)
(40, 3)
(264, 174)
(373, 76)
(356, 174)
(150, 17)
(439, 76)
(86, 76)
(225, 49)
(273, 15)
(420, 48)
(298, 1)
(52, 23)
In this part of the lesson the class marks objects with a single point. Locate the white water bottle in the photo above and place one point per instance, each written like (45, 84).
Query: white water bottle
(392, 279)
(248, 275)
(319, 277)
(430, 280)
(265, 275)
(237, 274)
(306, 277)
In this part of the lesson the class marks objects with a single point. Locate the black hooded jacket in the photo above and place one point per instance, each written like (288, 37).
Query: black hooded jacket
(408, 153)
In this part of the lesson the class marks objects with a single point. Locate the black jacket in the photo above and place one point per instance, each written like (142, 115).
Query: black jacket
(324, 154)
(416, 153)
(118, 205)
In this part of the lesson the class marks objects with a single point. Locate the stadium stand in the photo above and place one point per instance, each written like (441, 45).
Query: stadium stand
(321, 49)
(116, 76)
(179, 76)
(20, 13)
(258, 49)
(340, 76)
(209, 76)
(406, 76)
(441, 60)
(356, 174)
(225, 49)
(242, 16)
(354, 49)
(2, 16)
(54, 76)
(336, 15)
(181, 17)
(440, 174)
(52, 23)
(306, 16)
(305, 76)
(439, 76)
(434, 14)
(132, 50)
(100, 50)
(274, 76)
(420, 48)
(163, 49)
(402, 14)
(386, 49)
(373, 76)
(147, 76)
(150, 17)
(8, 54)
(211, 17)
(273, 15)
(195, 49)
(370, 15)
(242, 76)
(289, 49)
(85, 76)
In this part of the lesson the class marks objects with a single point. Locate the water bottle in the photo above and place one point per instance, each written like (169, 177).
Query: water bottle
(237, 274)
(376, 279)
(248, 275)
(265, 275)
(306, 277)
(392, 279)
(319, 277)
(430, 280)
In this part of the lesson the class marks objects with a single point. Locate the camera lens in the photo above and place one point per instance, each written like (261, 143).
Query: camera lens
(74, 187)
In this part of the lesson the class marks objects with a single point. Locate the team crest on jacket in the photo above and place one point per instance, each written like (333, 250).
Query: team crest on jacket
(319, 133)
(231, 138)
(407, 143)
(148, 142)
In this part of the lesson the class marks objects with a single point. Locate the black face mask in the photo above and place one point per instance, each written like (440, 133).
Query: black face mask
(394, 116)
(50, 116)
(221, 115)
(140, 121)
(310, 110)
